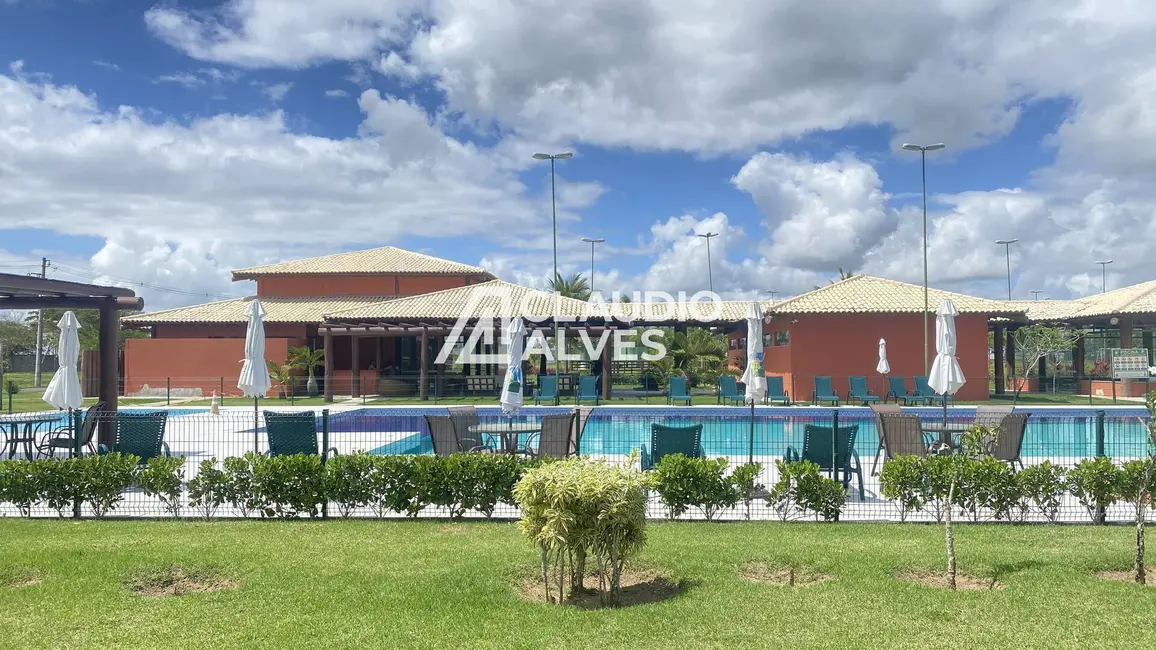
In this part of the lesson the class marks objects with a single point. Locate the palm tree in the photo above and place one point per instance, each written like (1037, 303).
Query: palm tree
(571, 287)
(307, 360)
(843, 275)
(282, 373)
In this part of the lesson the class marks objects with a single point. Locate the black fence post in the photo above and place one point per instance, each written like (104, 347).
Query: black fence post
(834, 441)
(76, 424)
(324, 457)
(222, 393)
(168, 391)
(1100, 433)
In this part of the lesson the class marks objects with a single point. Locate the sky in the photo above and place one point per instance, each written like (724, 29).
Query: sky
(161, 145)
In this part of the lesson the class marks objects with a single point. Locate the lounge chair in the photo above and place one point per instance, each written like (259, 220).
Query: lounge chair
(666, 440)
(140, 434)
(62, 438)
(547, 389)
(677, 391)
(824, 392)
(446, 441)
(581, 417)
(728, 390)
(903, 435)
(923, 390)
(878, 410)
(293, 433)
(775, 392)
(465, 417)
(555, 440)
(991, 415)
(897, 390)
(858, 391)
(587, 389)
(818, 447)
(1010, 442)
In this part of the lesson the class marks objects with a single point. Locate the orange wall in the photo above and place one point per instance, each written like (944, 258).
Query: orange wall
(355, 285)
(193, 362)
(225, 330)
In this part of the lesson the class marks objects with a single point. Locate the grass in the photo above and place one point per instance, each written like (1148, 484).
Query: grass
(432, 585)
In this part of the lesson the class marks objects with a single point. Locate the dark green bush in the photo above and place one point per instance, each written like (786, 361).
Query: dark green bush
(290, 486)
(102, 480)
(240, 484)
(348, 481)
(904, 482)
(56, 481)
(684, 482)
(1044, 485)
(745, 480)
(20, 485)
(1095, 482)
(802, 489)
(163, 477)
(393, 486)
(209, 489)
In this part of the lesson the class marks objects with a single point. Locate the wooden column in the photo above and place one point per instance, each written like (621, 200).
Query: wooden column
(1011, 353)
(109, 389)
(377, 355)
(1078, 358)
(1125, 343)
(328, 367)
(606, 356)
(423, 376)
(439, 382)
(997, 345)
(355, 366)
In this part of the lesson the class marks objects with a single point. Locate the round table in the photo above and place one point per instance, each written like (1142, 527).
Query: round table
(509, 431)
(32, 424)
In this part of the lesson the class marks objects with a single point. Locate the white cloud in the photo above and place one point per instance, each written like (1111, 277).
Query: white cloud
(107, 65)
(186, 79)
(336, 93)
(276, 92)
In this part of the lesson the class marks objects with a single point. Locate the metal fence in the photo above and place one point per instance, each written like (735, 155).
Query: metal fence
(1063, 436)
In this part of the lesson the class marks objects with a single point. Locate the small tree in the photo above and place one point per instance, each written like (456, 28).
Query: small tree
(282, 373)
(1138, 487)
(307, 360)
(1037, 342)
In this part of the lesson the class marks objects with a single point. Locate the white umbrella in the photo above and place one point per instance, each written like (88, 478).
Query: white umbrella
(254, 380)
(754, 377)
(63, 391)
(883, 368)
(511, 399)
(946, 375)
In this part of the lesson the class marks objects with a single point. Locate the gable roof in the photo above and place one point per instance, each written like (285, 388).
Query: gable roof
(1136, 299)
(385, 260)
(496, 298)
(866, 294)
(277, 310)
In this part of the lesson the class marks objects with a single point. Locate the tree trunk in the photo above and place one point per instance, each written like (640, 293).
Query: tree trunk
(1141, 508)
(950, 538)
(311, 385)
(578, 570)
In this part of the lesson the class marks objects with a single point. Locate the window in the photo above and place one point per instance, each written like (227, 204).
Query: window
(782, 337)
(767, 340)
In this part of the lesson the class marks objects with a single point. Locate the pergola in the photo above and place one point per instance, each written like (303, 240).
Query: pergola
(28, 292)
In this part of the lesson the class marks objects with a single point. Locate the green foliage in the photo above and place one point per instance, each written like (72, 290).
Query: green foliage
(572, 286)
(393, 486)
(783, 497)
(102, 480)
(1136, 482)
(1044, 485)
(348, 481)
(89, 332)
(481, 481)
(986, 484)
(683, 482)
(209, 489)
(306, 359)
(162, 477)
(802, 489)
(1095, 482)
(1040, 341)
(56, 483)
(289, 486)
(904, 482)
(744, 478)
(19, 485)
(282, 374)
(938, 471)
(240, 483)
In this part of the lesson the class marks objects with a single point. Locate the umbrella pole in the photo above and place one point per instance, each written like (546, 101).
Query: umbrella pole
(751, 447)
(255, 422)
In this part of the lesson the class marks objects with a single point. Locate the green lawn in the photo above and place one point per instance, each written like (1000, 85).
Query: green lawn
(434, 585)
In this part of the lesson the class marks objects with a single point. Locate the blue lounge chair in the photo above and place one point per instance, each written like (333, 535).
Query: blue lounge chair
(666, 440)
(677, 391)
(587, 390)
(140, 434)
(858, 391)
(824, 392)
(817, 448)
(897, 390)
(728, 390)
(775, 392)
(293, 433)
(923, 390)
(547, 389)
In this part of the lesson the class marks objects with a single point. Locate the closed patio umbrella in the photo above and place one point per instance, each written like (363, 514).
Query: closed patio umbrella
(511, 399)
(946, 375)
(63, 391)
(254, 380)
(754, 377)
(883, 368)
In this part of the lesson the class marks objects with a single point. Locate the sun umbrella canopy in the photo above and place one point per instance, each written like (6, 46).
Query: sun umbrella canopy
(883, 368)
(254, 379)
(511, 399)
(63, 391)
(946, 375)
(754, 377)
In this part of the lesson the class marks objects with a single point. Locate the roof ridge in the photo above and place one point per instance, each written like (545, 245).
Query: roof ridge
(172, 309)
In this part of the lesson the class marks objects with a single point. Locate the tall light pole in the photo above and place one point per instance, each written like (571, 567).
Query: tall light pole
(554, 219)
(592, 242)
(772, 292)
(923, 149)
(709, 275)
(1104, 274)
(1036, 293)
(1006, 243)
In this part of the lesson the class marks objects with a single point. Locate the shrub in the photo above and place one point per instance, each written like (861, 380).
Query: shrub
(162, 477)
(1136, 485)
(937, 474)
(290, 486)
(1043, 484)
(821, 495)
(576, 507)
(393, 486)
(102, 480)
(683, 482)
(208, 489)
(986, 484)
(744, 478)
(20, 485)
(905, 484)
(348, 481)
(240, 483)
(482, 481)
(1095, 482)
(783, 498)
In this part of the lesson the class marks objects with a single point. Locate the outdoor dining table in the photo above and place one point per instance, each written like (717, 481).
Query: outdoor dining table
(23, 429)
(947, 432)
(509, 432)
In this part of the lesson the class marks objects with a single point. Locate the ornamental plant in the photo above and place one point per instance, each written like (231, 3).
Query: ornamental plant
(905, 484)
(290, 486)
(209, 489)
(1044, 486)
(101, 480)
(163, 477)
(348, 481)
(1095, 482)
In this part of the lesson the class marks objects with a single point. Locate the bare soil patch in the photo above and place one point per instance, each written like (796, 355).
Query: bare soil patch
(939, 579)
(1126, 576)
(639, 587)
(783, 576)
(19, 577)
(178, 581)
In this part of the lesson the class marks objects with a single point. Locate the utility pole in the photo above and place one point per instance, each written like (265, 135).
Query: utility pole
(40, 327)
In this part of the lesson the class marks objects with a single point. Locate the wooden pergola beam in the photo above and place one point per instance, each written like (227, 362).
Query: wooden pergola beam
(17, 301)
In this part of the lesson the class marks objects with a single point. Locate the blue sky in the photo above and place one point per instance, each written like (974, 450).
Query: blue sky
(167, 143)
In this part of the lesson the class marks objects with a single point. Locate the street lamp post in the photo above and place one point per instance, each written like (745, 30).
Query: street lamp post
(1036, 293)
(922, 149)
(554, 221)
(772, 292)
(1104, 274)
(592, 242)
(1006, 243)
(709, 275)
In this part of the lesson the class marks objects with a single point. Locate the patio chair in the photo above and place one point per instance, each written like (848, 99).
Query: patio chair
(878, 410)
(858, 391)
(547, 389)
(63, 439)
(581, 417)
(587, 389)
(140, 434)
(823, 392)
(992, 415)
(775, 392)
(666, 440)
(446, 441)
(293, 433)
(728, 390)
(465, 417)
(818, 446)
(923, 390)
(897, 390)
(555, 440)
(1010, 441)
(677, 391)
(903, 435)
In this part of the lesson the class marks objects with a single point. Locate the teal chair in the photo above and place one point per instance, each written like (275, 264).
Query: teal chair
(677, 391)
(818, 448)
(824, 392)
(924, 392)
(728, 390)
(897, 390)
(775, 392)
(587, 390)
(547, 390)
(293, 433)
(140, 434)
(858, 391)
(665, 440)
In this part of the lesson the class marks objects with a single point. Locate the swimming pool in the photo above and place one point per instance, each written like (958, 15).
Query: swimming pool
(61, 417)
